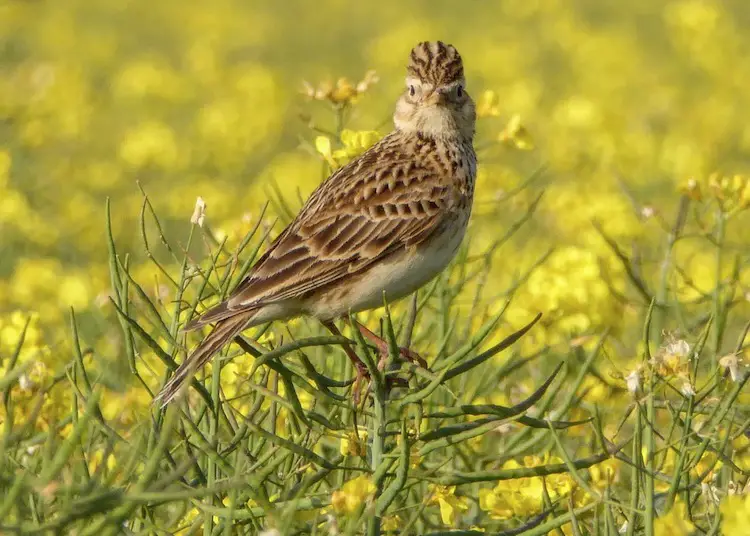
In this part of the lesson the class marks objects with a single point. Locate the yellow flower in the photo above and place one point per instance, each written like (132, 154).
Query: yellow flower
(226, 501)
(94, 461)
(735, 515)
(445, 498)
(352, 495)
(692, 189)
(151, 143)
(11, 328)
(673, 359)
(126, 408)
(742, 454)
(574, 305)
(516, 135)
(343, 91)
(525, 496)
(393, 522)
(145, 78)
(487, 104)
(351, 445)
(708, 464)
(732, 192)
(495, 504)
(594, 390)
(187, 521)
(323, 146)
(353, 144)
(675, 522)
(605, 473)
(733, 189)
(74, 291)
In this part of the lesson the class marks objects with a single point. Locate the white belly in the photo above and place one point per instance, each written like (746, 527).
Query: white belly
(397, 277)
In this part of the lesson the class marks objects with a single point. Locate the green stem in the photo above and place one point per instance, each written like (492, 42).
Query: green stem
(377, 448)
(717, 306)
(650, 420)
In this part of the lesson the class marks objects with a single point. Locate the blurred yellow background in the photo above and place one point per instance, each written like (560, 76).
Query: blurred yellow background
(610, 110)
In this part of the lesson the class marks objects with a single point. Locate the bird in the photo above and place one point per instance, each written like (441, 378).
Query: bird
(386, 223)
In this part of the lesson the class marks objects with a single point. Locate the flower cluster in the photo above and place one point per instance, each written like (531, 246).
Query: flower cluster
(524, 497)
(353, 495)
(343, 91)
(732, 193)
(450, 505)
(673, 361)
(352, 144)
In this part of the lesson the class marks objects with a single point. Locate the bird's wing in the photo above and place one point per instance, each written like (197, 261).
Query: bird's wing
(384, 201)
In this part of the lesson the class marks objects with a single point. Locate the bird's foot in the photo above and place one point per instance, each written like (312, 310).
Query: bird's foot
(363, 376)
(383, 351)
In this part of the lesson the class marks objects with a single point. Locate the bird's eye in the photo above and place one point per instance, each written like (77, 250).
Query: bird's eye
(412, 91)
(459, 91)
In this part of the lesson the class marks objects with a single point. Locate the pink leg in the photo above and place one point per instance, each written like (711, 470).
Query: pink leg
(382, 347)
(359, 366)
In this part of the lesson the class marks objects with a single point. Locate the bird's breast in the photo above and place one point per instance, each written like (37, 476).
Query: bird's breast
(397, 276)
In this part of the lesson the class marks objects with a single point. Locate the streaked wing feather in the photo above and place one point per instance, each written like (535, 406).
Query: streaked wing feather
(377, 204)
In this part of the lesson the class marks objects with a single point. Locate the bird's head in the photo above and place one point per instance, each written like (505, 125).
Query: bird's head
(435, 102)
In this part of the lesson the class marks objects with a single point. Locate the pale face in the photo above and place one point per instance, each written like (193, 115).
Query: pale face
(442, 111)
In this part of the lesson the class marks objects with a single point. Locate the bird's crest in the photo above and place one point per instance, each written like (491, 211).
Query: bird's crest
(436, 63)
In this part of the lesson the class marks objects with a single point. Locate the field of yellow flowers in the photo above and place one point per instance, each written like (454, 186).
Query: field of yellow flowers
(613, 198)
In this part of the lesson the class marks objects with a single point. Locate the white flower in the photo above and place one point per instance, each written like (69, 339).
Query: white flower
(647, 212)
(711, 493)
(687, 388)
(163, 292)
(333, 526)
(732, 363)
(504, 428)
(25, 383)
(673, 358)
(199, 212)
(678, 348)
(633, 381)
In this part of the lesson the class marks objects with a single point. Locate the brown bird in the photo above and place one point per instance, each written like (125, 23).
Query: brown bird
(387, 222)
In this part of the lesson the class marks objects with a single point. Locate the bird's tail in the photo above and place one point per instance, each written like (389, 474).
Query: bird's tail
(224, 331)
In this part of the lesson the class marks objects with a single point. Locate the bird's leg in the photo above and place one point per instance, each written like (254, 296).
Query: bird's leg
(359, 366)
(382, 346)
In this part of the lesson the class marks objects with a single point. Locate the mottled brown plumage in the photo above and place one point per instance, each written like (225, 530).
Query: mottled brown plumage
(436, 63)
(389, 221)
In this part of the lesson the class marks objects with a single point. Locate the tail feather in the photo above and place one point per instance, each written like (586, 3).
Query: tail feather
(213, 315)
(224, 331)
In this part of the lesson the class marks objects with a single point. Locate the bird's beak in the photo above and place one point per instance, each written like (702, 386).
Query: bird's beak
(437, 97)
